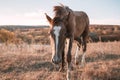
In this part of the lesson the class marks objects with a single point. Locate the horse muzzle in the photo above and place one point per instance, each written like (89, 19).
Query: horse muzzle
(56, 60)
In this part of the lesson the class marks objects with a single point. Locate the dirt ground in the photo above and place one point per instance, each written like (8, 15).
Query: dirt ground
(33, 62)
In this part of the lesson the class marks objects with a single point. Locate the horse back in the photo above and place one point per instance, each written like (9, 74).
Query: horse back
(81, 23)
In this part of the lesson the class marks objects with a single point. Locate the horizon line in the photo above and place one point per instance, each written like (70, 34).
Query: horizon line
(48, 25)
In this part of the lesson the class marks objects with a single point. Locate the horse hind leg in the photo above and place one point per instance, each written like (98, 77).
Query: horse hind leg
(77, 57)
(81, 42)
(77, 54)
(84, 38)
(84, 45)
(83, 59)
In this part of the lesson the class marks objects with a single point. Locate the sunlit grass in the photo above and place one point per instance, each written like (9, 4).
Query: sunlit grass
(33, 62)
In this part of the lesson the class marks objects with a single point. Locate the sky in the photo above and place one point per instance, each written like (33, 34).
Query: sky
(31, 12)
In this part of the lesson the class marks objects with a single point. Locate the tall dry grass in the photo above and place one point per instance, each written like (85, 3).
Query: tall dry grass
(103, 61)
(32, 62)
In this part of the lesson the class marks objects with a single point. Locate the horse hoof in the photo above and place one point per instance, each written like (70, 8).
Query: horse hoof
(82, 65)
(76, 63)
(61, 70)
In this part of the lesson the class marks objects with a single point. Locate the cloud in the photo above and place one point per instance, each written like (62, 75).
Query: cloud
(26, 18)
(32, 14)
(35, 14)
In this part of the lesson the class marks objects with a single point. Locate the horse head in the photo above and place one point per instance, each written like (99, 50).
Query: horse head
(57, 36)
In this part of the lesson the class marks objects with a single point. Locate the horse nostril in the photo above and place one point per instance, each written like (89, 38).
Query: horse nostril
(53, 60)
(56, 60)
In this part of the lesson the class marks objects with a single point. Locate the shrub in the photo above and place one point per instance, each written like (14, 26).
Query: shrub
(6, 36)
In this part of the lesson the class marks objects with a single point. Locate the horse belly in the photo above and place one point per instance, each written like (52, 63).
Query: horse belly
(81, 23)
(78, 33)
(79, 30)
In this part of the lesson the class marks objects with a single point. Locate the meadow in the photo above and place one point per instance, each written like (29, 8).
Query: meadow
(26, 55)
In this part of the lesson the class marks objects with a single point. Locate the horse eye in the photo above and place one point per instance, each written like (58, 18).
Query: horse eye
(52, 33)
(66, 34)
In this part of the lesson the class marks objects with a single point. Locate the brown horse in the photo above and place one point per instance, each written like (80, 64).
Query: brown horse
(71, 25)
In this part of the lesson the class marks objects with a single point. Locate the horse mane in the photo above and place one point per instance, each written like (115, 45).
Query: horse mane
(60, 10)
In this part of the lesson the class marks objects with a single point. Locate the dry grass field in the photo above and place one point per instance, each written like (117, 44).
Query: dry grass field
(32, 62)
(25, 54)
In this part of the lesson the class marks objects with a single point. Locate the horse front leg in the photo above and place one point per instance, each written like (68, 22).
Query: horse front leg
(63, 61)
(69, 57)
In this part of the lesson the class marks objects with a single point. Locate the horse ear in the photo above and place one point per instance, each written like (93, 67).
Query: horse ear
(48, 18)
